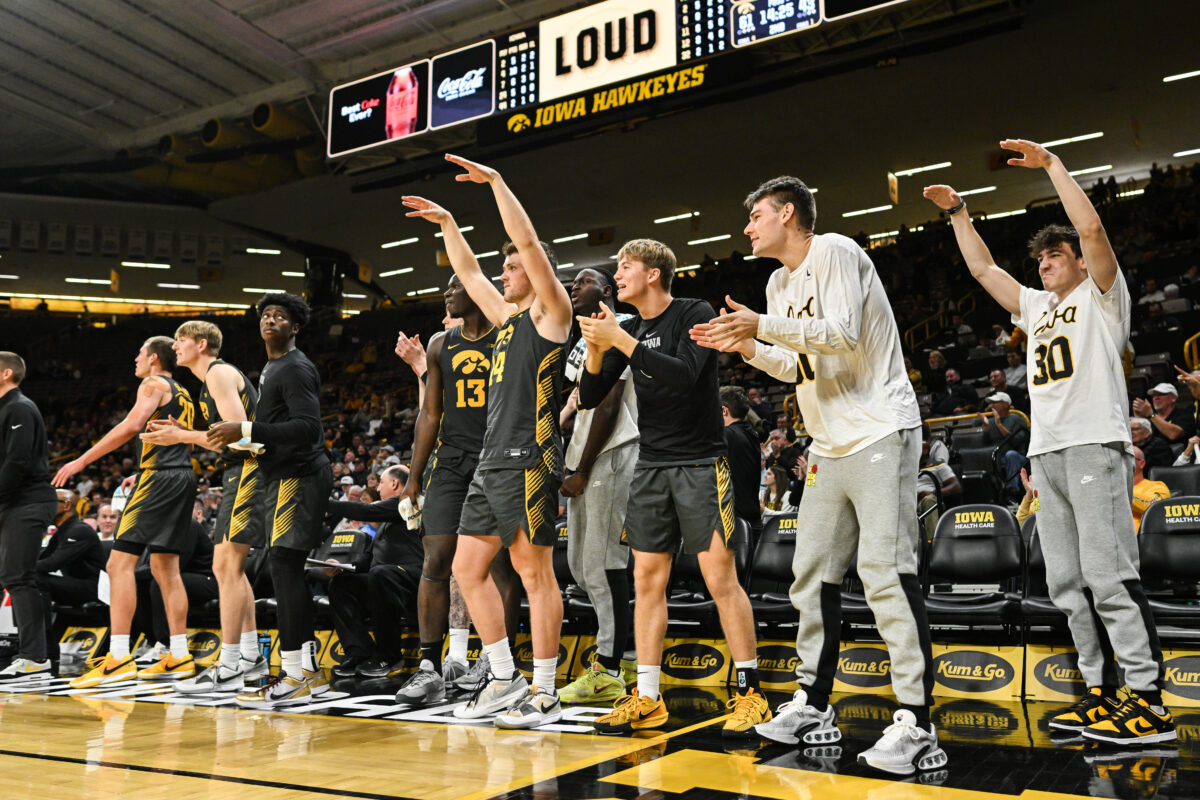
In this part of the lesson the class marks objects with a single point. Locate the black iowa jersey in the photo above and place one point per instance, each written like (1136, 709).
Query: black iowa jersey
(208, 410)
(465, 364)
(524, 387)
(180, 406)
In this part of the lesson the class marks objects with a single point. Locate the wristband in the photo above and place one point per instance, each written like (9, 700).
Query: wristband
(950, 212)
(247, 427)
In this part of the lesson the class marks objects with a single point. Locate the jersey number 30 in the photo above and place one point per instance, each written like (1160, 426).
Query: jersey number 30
(1053, 361)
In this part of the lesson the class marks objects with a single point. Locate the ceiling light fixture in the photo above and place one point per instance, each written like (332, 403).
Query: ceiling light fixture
(567, 265)
(467, 229)
(488, 254)
(390, 273)
(263, 251)
(96, 281)
(145, 265)
(1073, 139)
(1090, 170)
(292, 274)
(178, 286)
(562, 239)
(390, 245)
(1183, 153)
(862, 211)
(256, 290)
(688, 215)
(904, 173)
(720, 238)
(980, 190)
(1181, 76)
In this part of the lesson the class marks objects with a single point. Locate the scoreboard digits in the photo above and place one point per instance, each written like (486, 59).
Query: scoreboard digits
(755, 20)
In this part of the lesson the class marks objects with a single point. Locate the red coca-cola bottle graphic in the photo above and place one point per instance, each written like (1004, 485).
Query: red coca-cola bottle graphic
(403, 98)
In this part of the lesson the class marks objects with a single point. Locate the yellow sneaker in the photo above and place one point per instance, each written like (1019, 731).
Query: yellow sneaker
(282, 691)
(169, 669)
(632, 713)
(106, 670)
(748, 709)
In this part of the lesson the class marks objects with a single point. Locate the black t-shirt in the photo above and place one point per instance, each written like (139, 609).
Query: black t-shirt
(675, 379)
(1184, 418)
(74, 550)
(741, 440)
(24, 459)
(288, 421)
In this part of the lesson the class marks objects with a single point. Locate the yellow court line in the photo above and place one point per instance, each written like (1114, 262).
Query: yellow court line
(608, 755)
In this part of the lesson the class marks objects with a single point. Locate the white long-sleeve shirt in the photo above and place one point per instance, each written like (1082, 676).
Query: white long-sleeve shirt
(829, 328)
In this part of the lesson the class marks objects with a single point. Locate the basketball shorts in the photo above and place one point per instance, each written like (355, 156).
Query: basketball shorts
(673, 503)
(158, 512)
(240, 517)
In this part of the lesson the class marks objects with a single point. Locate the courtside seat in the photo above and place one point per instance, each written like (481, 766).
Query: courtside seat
(688, 597)
(1037, 609)
(969, 439)
(1169, 545)
(975, 544)
(977, 471)
(1180, 480)
(771, 570)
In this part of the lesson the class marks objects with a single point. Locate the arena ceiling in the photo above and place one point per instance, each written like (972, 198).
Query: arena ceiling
(86, 78)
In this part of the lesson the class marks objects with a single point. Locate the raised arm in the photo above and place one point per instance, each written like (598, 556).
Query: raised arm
(1003, 287)
(149, 397)
(1097, 250)
(481, 290)
(551, 311)
(428, 420)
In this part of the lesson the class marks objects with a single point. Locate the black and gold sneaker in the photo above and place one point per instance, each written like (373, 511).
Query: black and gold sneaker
(1133, 722)
(1093, 707)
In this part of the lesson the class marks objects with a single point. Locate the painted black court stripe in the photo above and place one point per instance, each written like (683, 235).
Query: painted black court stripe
(206, 776)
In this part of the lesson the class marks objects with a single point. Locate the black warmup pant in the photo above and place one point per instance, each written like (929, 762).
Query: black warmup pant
(384, 593)
(56, 589)
(21, 530)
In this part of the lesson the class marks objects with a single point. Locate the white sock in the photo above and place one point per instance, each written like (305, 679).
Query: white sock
(179, 646)
(751, 664)
(230, 656)
(647, 681)
(248, 645)
(118, 646)
(458, 645)
(543, 673)
(500, 659)
(290, 659)
(309, 651)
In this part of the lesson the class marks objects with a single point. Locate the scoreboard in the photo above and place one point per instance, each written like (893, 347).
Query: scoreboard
(561, 58)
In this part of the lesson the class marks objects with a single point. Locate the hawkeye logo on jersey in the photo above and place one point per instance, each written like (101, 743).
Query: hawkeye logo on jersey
(1064, 315)
(470, 361)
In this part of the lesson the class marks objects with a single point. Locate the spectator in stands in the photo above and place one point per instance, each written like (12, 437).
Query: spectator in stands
(935, 378)
(759, 404)
(1014, 373)
(914, 376)
(1145, 492)
(1009, 341)
(934, 477)
(741, 440)
(1157, 451)
(1158, 322)
(69, 565)
(107, 519)
(1172, 302)
(781, 451)
(1171, 423)
(1192, 276)
(1190, 454)
(382, 593)
(784, 423)
(959, 331)
(775, 495)
(1150, 293)
(998, 380)
(1011, 431)
(956, 398)
(1029, 505)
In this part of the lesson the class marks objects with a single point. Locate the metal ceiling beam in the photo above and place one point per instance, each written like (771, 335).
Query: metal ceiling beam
(238, 29)
(86, 132)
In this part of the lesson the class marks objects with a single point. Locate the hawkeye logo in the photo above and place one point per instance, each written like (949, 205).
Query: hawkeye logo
(203, 644)
(777, 664)
(608, 99)
(1060, 673)
(865, 667)
(337, 652)
(692, 661)
(1182, 676)
(470, 361)
(1066, 315)
(973, 671)
(86, 639)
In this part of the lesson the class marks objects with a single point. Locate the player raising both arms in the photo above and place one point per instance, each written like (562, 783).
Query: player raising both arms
(1081, 451)
(513, 499)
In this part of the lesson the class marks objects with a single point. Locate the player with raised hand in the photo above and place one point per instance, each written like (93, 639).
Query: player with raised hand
(1081, 452)
(513, 499)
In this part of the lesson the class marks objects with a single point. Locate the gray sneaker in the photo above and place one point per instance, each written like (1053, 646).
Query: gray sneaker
(476, 676)
(257, 668)
(493, 696)
(213, 680)
(424, 688)
(904, 748)
(451, 672)
(537, 707)
(797, 721)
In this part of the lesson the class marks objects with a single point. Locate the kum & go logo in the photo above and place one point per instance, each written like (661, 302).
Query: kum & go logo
(692, 661)
(865, 667)
(973, 671)
(1061, 673)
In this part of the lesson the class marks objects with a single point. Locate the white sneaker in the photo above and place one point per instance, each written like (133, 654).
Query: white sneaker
(797, 721)
(285, 691)
(254, 669)
(213, 680)
(537, 707)
(424, 688)
(493, 696)
(904, 748)
(451, 671)
(24, 669)
(152, 656)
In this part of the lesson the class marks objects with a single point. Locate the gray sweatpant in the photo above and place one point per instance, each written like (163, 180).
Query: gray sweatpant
(866, 500)
(595, 520)
(1086, 528)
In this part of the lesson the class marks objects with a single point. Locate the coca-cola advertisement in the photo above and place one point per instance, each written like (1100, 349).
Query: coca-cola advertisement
(375, 110)
(463, 85)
